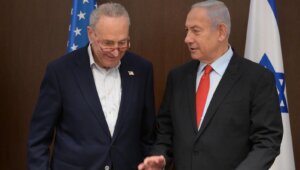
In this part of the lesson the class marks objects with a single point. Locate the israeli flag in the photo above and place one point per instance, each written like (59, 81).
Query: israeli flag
(263, 46)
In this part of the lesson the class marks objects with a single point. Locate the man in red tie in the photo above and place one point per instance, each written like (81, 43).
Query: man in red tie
(220, 111)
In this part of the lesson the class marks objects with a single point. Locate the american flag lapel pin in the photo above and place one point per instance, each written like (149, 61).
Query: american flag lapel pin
(131, 73)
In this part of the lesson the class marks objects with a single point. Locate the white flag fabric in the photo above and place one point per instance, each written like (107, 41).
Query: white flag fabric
(263, 46)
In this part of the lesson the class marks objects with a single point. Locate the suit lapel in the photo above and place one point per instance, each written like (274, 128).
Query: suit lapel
(191, 92)
(127, 74)
(85, 80)
(229, 78)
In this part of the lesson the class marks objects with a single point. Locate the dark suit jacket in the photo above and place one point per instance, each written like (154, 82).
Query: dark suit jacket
(242, 128)
(69, 103)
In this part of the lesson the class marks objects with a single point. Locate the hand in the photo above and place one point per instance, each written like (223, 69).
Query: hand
(153, 163)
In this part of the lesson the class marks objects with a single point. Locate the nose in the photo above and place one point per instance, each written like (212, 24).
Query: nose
(188, 38)
(115, 52)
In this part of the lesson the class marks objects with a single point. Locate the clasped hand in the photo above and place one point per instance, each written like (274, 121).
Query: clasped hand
(153, 163)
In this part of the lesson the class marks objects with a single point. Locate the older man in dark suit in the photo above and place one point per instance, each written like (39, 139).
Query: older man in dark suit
(220, 111)
(98, 100)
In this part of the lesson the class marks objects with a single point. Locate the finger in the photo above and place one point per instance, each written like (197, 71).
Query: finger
(154, 163)
(162, 160)
(141, 166)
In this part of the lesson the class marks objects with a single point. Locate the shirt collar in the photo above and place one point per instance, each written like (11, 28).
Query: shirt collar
(220, 65)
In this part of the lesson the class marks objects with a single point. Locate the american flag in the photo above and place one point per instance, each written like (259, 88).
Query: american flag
(80, 14)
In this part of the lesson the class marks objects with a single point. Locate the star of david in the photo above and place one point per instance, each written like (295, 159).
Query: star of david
(280, 83)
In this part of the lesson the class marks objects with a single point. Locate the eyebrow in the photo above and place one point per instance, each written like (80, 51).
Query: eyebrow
(192, 27)
(125, 39)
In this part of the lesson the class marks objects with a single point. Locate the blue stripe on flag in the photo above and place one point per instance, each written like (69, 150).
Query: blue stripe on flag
(273, 6)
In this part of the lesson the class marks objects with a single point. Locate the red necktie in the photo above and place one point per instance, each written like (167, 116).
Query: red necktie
(202, 92)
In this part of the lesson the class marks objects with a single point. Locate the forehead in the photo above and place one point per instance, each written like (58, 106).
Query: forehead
(196, 17)
(108, 23)
(112, 27)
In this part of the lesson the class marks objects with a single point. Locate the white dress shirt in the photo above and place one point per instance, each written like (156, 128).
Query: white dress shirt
(108, 85)
(219, 66)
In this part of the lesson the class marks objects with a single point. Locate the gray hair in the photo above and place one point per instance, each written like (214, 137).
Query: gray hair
(217, 11)
(109, 9)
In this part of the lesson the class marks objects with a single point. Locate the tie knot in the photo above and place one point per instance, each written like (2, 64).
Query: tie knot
(207, 69)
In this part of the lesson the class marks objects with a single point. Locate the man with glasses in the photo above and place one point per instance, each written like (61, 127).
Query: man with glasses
(96, 103)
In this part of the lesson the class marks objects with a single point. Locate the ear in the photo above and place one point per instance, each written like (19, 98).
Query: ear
(129, 42)
(91, 34)
(223, 30)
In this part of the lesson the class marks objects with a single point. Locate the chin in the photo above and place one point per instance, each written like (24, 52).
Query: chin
(195, 57)
(110, 65)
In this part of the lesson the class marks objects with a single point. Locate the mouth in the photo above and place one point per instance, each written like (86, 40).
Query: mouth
(111, 56)
(192, 49)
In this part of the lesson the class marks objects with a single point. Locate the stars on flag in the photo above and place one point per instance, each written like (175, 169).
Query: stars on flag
(80, 14)
(74, 47)
(77, 31)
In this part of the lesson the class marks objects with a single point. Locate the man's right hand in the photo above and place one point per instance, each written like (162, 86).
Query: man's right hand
(153, 163)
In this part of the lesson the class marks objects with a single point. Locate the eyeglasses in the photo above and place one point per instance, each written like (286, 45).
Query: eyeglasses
(110, 46)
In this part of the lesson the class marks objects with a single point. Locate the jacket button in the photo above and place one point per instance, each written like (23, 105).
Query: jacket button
(106, 167)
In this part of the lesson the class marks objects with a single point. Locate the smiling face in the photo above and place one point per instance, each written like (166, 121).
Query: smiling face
(109, 40)
(205, 42)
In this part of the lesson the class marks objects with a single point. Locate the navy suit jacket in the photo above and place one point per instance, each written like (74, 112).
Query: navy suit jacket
(242, 128)
(69, 112)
